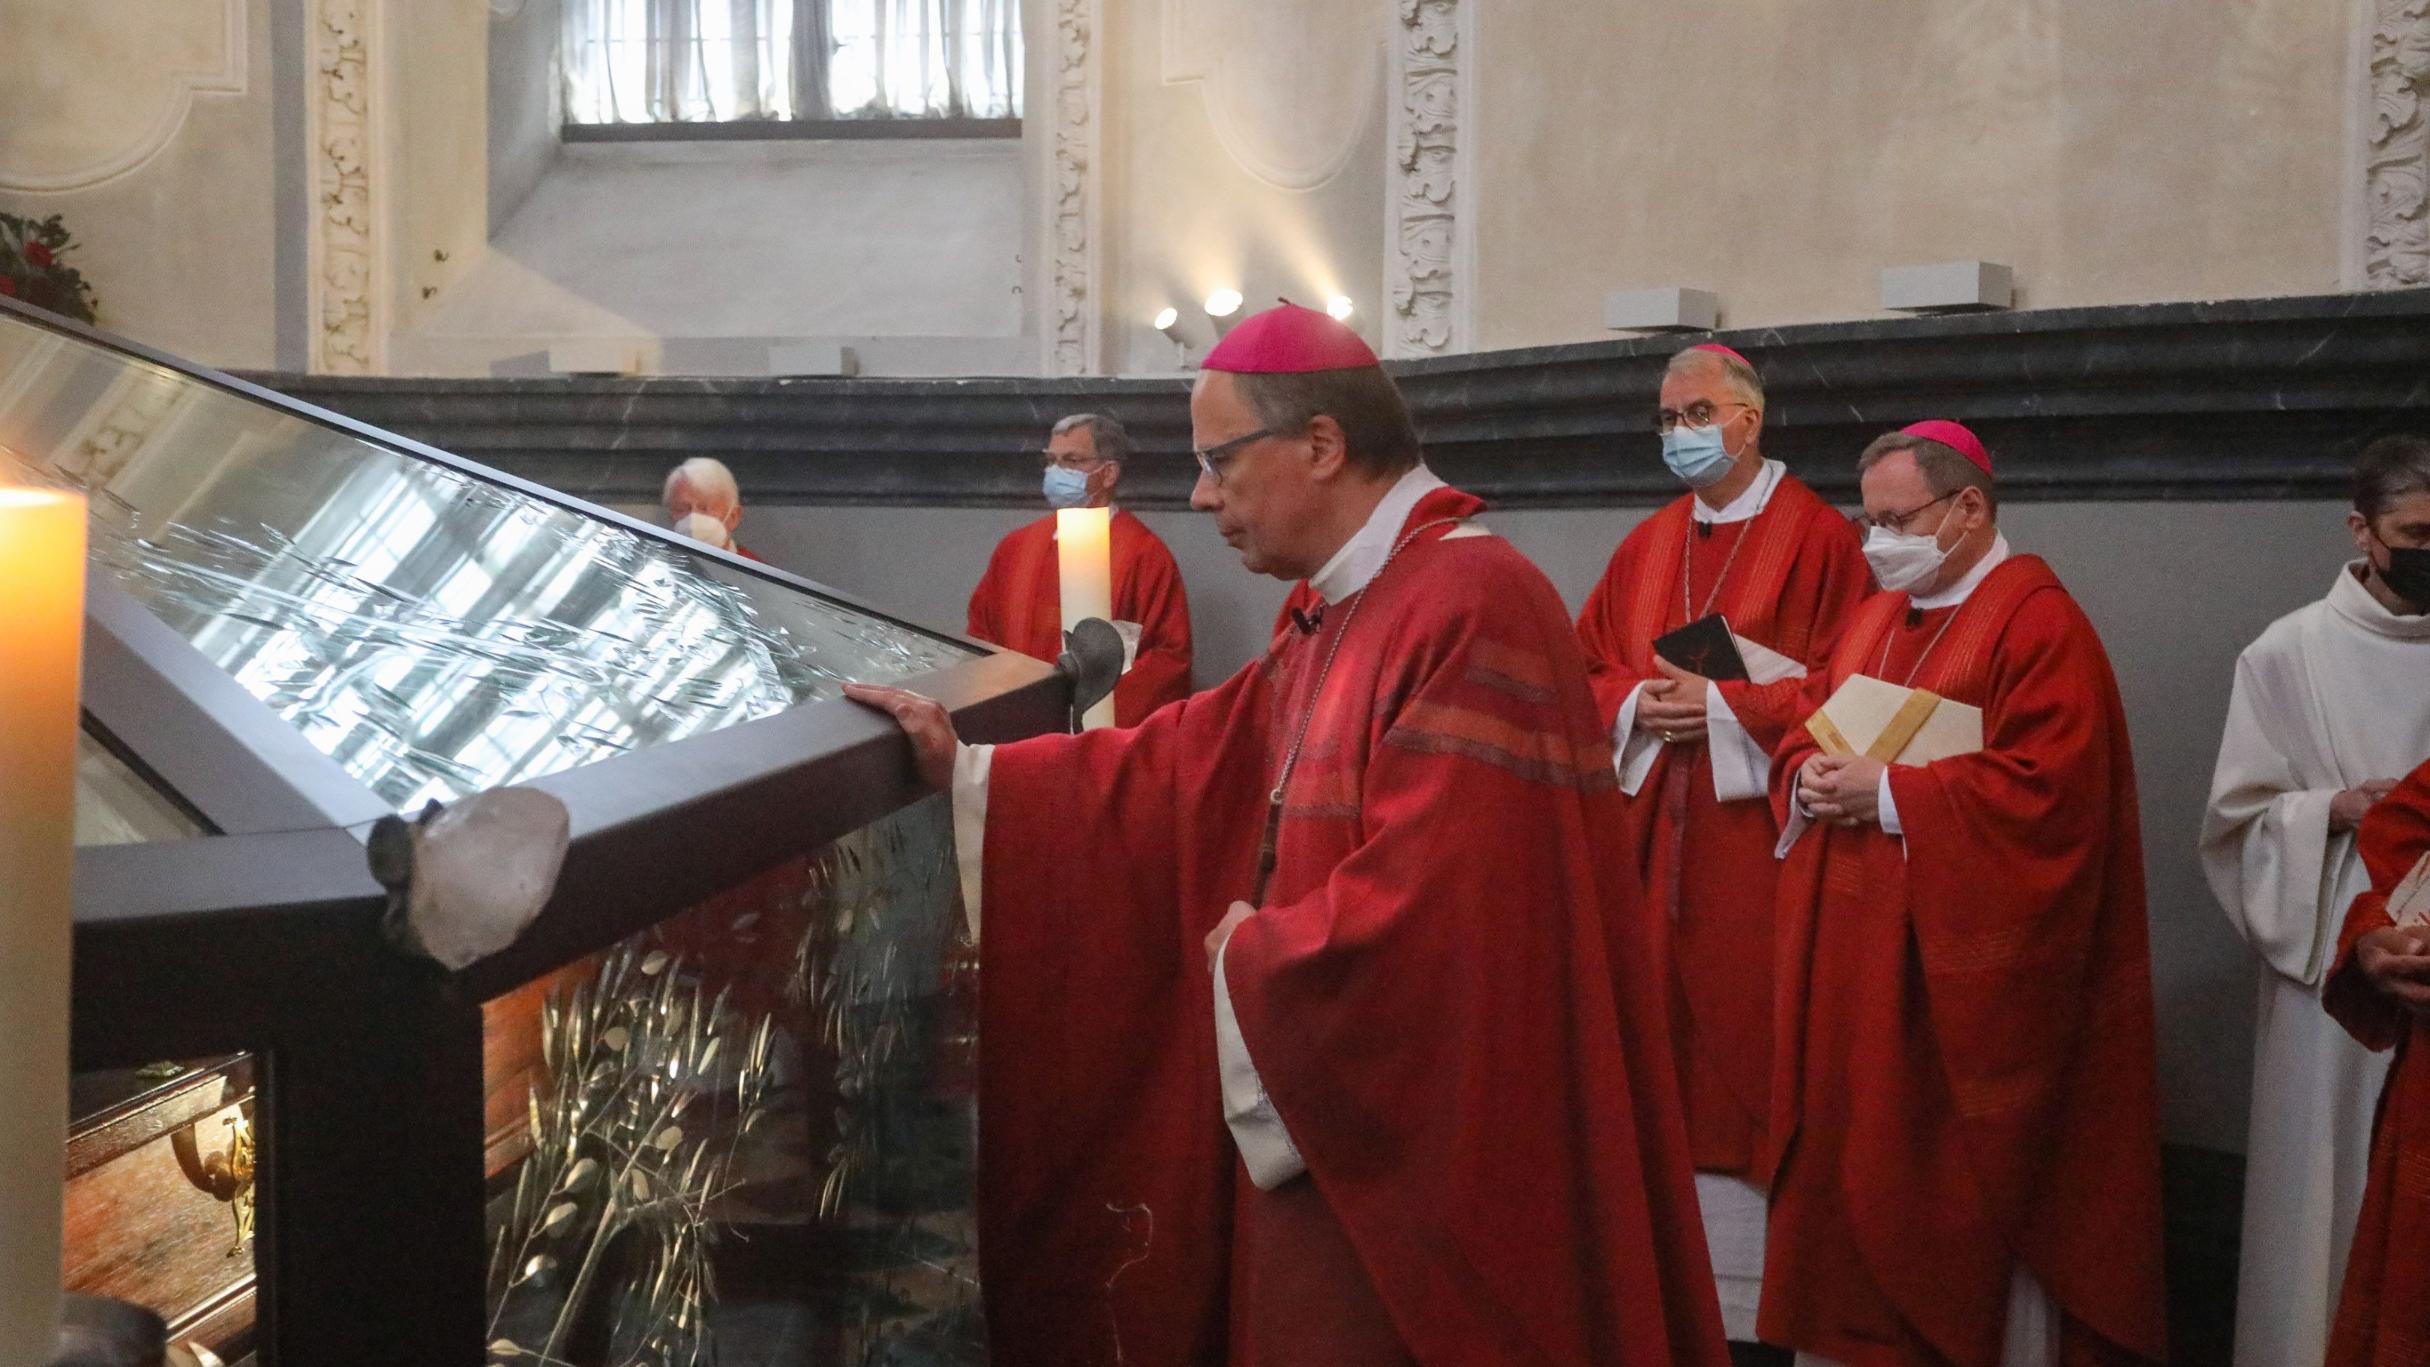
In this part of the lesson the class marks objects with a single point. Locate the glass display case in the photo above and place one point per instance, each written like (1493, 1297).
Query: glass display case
(712, 1104)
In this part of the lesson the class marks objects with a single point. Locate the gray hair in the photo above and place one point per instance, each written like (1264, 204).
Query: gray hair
(2388, 469)
(1737, 374)
(1945, 471)
(1109, 438)
(711, 481)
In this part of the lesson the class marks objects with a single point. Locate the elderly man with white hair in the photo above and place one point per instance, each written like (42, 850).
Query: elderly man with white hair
(700, 498)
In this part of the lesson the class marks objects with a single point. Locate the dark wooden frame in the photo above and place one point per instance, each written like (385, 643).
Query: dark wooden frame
(266, 937)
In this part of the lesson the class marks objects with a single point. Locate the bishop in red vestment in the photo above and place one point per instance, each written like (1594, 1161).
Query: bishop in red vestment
(1754, 545)
(1964, 1124)
(1019, 601)
(1321, 1023)
(2380, 992)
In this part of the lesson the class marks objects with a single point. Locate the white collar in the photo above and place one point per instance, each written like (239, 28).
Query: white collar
(2351, 599)
(1964, 588)
(1751, 500)
(1362, 557)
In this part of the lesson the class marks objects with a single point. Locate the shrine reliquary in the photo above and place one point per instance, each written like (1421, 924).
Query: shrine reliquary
(714, 1103)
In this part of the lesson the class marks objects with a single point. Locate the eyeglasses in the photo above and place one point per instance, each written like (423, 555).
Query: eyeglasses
(1897, 522)
(1698, 414)
(1212, 459)
(1048, 460)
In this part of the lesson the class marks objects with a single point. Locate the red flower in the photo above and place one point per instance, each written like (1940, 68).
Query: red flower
(8, 287)
(38, 253)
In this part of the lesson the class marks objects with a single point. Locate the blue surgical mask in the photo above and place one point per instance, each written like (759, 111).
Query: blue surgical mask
(1065, 488)
(1697, 455)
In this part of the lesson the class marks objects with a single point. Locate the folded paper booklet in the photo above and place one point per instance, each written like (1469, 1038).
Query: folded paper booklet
(1896, 725)
(2409, 905)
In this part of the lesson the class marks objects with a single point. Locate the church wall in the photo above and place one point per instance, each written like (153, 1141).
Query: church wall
(437, 208)
(908, 251)
(1244, 143)
(2176, 589)
(152, 129)
(524, 106)
(1782, 154)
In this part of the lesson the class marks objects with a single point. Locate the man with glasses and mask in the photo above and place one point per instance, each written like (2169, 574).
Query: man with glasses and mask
(1019, 601)
(1965, 1131)
(1363, 894)
(2331, 706)
(1750, 544)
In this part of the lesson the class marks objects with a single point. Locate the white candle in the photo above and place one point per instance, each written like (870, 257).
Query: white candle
(1084, 561)
(41, 633)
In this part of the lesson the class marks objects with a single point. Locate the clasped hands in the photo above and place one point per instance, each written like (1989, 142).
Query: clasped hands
(2396, 960)
(2346, 810)
(1671, 708)
(1844, 790)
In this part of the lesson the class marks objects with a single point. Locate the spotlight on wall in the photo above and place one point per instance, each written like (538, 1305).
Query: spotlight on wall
(1223, 303)
(1339, 307)
(1168, 322)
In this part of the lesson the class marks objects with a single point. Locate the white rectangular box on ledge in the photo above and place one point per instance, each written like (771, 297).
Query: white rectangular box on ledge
(1668, 309)
(595, 356)
(1950, 287)
(812, 358)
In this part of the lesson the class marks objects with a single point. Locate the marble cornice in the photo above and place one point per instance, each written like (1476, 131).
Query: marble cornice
(2246, 399)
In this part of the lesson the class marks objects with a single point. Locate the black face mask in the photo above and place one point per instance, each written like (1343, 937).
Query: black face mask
(2408, 574)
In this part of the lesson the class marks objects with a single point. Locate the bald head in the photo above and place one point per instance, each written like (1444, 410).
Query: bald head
(702, 485)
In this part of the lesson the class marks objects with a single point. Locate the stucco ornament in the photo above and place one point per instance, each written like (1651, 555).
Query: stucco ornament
(2396, 241)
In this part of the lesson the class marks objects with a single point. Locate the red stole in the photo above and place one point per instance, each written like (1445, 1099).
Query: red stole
(1018, 604)
(1965, 1028)
(1447, 993)
(1787, 577)
(2383, 1316)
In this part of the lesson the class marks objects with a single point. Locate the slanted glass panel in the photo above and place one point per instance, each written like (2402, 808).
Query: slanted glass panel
(435, 633)
(116, 805)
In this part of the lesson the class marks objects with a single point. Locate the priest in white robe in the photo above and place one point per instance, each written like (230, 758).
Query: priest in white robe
(2331, 706)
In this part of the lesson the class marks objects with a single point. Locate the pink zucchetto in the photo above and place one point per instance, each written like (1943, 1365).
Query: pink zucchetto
(1289, 340)
(1956, 437)
(1726, 351)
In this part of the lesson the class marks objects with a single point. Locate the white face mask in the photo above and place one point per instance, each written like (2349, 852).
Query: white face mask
(1903, 563)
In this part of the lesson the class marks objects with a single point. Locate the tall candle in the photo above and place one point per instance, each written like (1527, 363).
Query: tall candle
(1084, 561)
(41, 633)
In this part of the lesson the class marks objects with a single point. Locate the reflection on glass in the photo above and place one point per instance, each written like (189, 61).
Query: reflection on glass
(435, 633)
(117, 806)
(752, 1129)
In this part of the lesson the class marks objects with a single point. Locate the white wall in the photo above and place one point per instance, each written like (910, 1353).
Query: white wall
(907, 249)
(150, 127)
(2176, 590)
(1781, 152)
(1244, 147)
(524, 104)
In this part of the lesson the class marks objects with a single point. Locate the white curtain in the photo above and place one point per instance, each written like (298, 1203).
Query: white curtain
(698, 61)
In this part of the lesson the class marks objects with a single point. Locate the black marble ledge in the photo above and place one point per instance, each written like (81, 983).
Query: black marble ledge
(2244, 399)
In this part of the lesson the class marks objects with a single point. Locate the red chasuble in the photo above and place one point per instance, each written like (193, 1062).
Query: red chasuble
(2383, 1317)
(1965, 1075)
(1786, 578)
(1449, 993)
(1019, 605)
